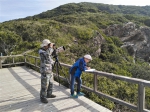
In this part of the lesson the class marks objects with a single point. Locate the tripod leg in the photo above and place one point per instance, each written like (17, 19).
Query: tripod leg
(57, 71)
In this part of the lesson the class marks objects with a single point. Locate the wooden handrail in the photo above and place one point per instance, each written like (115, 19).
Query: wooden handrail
(13, 60)
(141, 85)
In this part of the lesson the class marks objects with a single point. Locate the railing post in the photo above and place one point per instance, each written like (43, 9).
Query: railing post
(95, 82)
(35, 61)
(141, 97)
(25, 60)
(13, 60)
(0, 62)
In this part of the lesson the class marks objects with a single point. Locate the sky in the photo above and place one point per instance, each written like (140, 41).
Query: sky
(15, 9)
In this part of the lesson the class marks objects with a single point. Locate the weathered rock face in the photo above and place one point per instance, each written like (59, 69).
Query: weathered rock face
(95, 44)
(97, 41)
(136, 40)
(120, 30)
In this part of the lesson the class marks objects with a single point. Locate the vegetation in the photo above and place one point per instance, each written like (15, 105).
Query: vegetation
(74, 26)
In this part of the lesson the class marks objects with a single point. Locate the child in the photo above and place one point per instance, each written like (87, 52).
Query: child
(75, 74)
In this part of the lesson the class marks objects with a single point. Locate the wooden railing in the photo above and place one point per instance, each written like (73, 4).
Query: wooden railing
(2, 58)
(140, 107)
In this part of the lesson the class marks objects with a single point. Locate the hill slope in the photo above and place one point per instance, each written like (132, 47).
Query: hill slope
(81, 29)
(94, 8)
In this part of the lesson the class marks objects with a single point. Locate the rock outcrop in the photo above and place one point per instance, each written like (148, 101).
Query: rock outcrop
(136, 40)
(97, 41)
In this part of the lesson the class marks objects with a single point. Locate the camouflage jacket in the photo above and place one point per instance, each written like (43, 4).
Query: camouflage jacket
(50, 51)
(46, 61)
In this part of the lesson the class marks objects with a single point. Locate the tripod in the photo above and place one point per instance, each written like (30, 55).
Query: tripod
(58, 65)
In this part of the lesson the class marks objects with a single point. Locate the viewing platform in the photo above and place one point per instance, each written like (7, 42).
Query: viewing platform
(20, 89)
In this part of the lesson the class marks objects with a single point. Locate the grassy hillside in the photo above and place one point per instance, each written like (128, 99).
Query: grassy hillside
(75, 26)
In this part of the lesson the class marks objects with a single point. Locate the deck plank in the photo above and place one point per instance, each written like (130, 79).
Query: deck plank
(19, 92)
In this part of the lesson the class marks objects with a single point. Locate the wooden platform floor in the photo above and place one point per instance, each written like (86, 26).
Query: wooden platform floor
(19, 92)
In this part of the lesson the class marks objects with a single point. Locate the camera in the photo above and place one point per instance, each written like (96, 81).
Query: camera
(57, 50)
(60, 49)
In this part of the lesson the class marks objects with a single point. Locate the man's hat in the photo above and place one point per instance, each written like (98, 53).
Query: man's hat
(87, 56)
(45, 42)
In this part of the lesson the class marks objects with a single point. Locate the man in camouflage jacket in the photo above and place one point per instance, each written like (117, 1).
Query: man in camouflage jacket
(46, 72)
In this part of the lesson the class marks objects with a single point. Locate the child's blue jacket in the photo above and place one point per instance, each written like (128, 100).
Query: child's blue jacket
(78, 67)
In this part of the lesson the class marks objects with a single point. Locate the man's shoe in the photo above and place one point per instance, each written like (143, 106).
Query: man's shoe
(80, 94)
(51, 96)
(74, 96)
(44, 100)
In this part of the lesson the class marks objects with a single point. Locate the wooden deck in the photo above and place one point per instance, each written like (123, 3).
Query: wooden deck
(19, 92)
